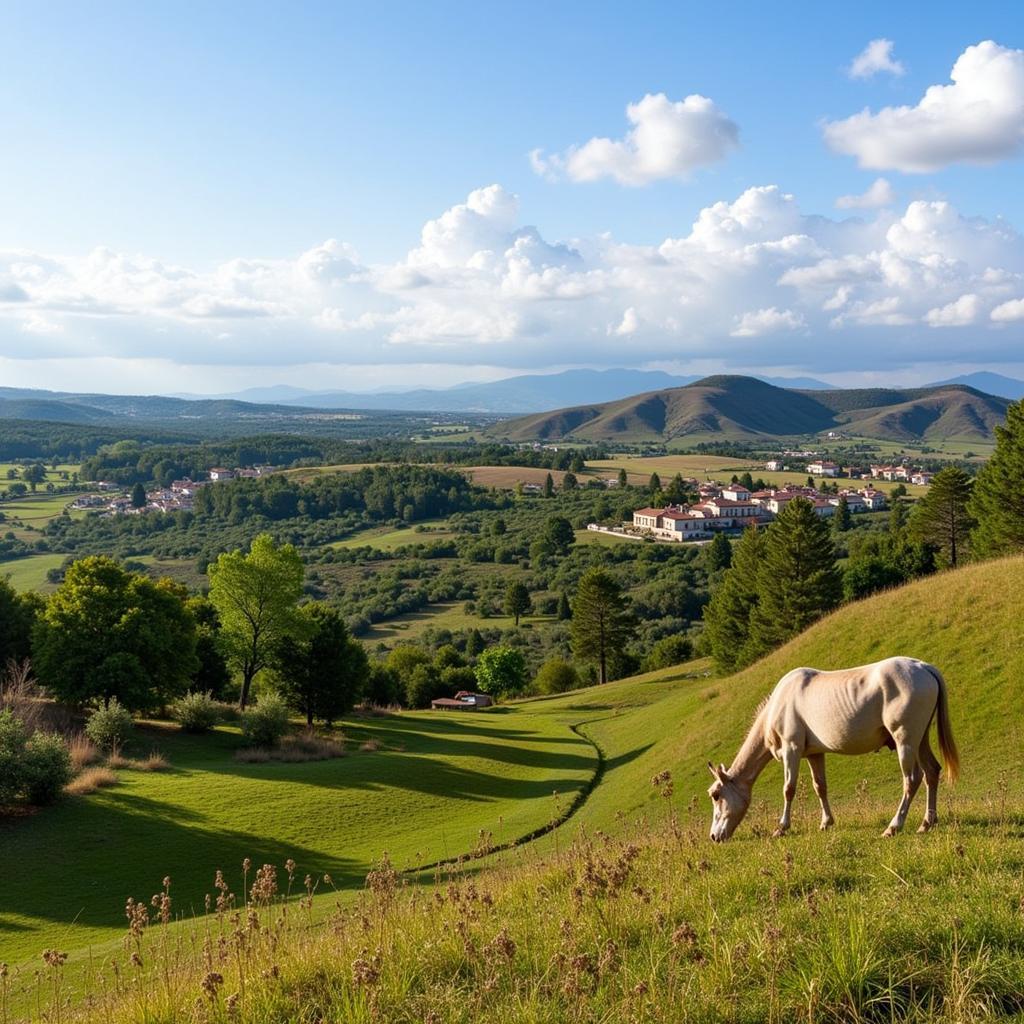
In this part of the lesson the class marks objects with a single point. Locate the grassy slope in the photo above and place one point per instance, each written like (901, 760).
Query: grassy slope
(838, 926)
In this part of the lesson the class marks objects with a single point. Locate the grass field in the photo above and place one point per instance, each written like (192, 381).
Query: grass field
(53, 476)
(30, 573)
(387, 539)
(447, 615)
(625, 913)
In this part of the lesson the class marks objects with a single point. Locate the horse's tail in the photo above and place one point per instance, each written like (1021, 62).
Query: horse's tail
(946, 742)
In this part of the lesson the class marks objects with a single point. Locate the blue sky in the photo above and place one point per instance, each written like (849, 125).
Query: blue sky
(149, 148)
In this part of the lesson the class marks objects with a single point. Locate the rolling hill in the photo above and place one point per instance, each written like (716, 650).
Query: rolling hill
(745, 407)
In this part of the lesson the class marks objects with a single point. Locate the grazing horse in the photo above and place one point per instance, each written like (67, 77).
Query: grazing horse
(811, 713)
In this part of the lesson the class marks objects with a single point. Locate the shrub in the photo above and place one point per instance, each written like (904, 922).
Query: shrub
(266, 722)
(196, 712)
(12, 757)
(90, 780)
(47, 767)
(556, 676)
(110, 727)
(83, 751)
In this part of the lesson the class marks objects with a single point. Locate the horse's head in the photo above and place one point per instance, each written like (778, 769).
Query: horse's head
(730, 800)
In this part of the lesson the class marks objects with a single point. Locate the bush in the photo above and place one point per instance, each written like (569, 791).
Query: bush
(668, 651)
(47, 767)
(266, 722)
(12, 758)
(111, 726)
(556, 676)
(196, 712)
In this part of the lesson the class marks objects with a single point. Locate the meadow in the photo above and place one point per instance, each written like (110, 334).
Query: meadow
(626, 911)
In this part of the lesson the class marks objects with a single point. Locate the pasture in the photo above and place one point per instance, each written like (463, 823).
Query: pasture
(840, 925)
(56, 475)
(388, 539)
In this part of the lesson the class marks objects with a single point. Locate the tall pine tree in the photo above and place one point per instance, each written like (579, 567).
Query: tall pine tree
(998, 499)
(601, 622)
(942, 516)
(727, 616)
(799, 580)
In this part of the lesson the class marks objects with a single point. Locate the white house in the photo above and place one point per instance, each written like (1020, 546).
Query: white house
(218, 473)
(923, 478)
(823, 468)
(873, 499)
(773, 465)
(647, 518)
(736, 492)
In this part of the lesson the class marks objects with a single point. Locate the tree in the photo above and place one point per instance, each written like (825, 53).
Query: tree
(799, 580)
(654, 484)
(998, 499)
(556, 675)
(668, 651)
(718, 554)
(17, 618)
(623, 478)
(558, 530)
(256, 596)
(17, 489)
(942, 517)
(569, 482)
(601, 623)
(517, 600)
(727, 615)
(577, 465)
(841, 519)
(549, 486)
(898, 519)
(564, 612)
(213, 676)
(474, 643)
(501, 671)
(106, 633)
(138, 498)
(323, 673)
(34, 475)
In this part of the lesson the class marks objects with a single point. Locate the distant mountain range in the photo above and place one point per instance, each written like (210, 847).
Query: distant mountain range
(744, 407)
(990, 383)
(513, 395)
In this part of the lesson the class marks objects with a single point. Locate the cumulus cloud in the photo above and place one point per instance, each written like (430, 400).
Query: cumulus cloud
(667, 140)
(879, 193)
(482, 286)
(874, 58)
(978, 119)
(766, 321)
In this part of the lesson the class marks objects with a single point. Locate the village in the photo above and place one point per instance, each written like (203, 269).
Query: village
(731, 507)
(111, 499)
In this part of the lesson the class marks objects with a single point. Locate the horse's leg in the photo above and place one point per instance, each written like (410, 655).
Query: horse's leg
(930, 765)
(817, 763)
(791, 767)
(907, 753)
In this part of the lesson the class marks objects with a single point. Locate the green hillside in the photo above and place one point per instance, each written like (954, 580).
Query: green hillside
(743, 407)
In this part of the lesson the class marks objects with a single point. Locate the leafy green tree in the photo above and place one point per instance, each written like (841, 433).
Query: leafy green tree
(998, 499)
(549, 486)
(576, 464)
(727, 614)
(564, 612)
(942, 517)
(34, 475)
(321, 675)
(138, 497)
(501, 671)
(213, 676)
(898, 516)
(17, 618)
(746, 480)
(474, 643)
(654, 484)
(569, 482)
(623, 478)
(17, 489)
(668, 651)
(718, 554)
(106, 633)
(517, 600)
(558, 530)
(256, 595)
(799, 580)
(868, 575)
(842, 519)
(556, 675)
(601, 622)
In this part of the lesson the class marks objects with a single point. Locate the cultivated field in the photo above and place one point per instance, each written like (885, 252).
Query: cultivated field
(387, 539)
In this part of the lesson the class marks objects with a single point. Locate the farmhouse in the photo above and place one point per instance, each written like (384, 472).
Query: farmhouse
(823, 468)
(218, 473)
(773, 465)
(463, 701)
(873, 499)
(922, 478)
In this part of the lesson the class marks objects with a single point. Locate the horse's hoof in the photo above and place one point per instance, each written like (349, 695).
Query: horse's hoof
(778, 833)
(889, 833)
(826, 825)
(926, 826)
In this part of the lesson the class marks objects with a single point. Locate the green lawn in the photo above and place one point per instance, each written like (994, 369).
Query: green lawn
(424, 796)
(445, 615)
(385, 538)
(52, 475)
(30, 573)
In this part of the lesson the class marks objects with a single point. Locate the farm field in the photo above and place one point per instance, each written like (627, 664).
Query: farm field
(53, 474)
(388, 539)
(444, 615)
(841, 922)
(506, 477)
(29, 573)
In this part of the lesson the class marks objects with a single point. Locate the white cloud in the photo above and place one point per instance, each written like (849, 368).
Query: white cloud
(481, 286)
(1009, 312)
(668, 140)
(875, 57)
(961, 313)
(879, 193)
(767, 321)
(979, 119)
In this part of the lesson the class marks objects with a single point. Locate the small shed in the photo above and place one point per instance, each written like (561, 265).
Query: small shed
(464, 700)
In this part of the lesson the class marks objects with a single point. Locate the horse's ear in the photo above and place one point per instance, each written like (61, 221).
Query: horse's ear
(722, 773)
(711, 768)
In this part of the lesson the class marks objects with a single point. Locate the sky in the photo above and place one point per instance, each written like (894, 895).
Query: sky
(207, 197)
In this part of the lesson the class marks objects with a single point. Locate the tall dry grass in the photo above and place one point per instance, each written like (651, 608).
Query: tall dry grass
(298, 747)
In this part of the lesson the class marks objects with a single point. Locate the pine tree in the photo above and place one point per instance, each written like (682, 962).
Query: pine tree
(799, 580)
(138, 496)
(549, 486)
(601, 623)
(841, 520)
(998, 499)
(718, 554)
(727, 616)
(942, 516)
(623, 478)
(564, 608)
(569, 482)
(898, 519)
(654, 485)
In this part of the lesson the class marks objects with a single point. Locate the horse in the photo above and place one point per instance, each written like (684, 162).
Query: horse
(811, 713)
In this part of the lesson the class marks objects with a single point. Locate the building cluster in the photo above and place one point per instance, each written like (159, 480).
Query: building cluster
(179, 497)
(733, 507)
